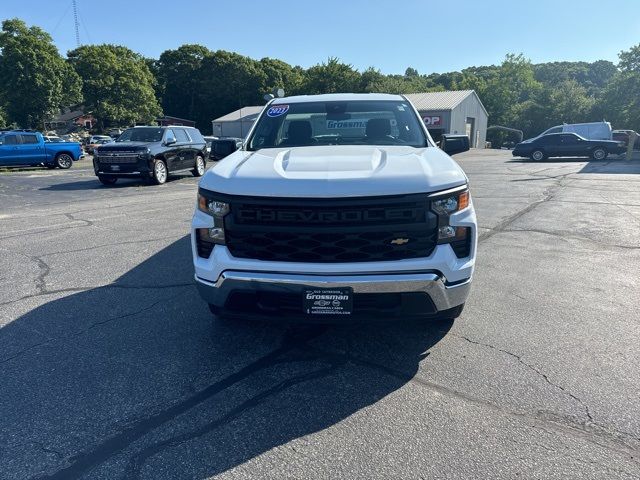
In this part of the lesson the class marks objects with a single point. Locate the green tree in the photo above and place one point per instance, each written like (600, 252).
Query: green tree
(179, 79)
(331, 77)
(504, 90)
(411, 72)
(117, 84)
(630, 59)
(279, 74)
(570, 103)
(231, 81)
(35, 81)
(619, 102)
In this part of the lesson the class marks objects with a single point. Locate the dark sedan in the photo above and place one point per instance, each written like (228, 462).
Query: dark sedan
(567, 145)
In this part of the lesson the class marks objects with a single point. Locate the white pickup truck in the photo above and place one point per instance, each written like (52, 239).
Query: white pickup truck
(337, 207)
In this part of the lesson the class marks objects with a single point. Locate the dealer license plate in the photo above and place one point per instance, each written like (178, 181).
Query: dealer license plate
(333, 301)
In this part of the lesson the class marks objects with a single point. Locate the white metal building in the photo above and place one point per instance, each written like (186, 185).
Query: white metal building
(236, 124)
(456, 111)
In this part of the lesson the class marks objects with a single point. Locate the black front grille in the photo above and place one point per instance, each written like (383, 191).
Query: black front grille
(331, 230)
(119, 159)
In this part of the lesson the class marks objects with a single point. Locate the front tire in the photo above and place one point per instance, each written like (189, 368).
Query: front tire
(200, 167)
(64, 161)
(599, 153)
(160, 172)
(107, 180)
(538, 155)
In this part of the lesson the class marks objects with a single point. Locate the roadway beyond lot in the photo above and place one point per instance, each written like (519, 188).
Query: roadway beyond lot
(111, 365)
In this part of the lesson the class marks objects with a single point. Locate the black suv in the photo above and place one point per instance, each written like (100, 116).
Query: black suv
(151, 153)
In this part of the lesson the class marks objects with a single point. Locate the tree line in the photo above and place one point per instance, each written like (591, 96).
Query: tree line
(121, 87)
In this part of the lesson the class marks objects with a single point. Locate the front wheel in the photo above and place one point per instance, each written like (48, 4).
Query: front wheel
(538, 155)
(160, 173)
(200, 167)
(107, 180)
(64, 161)
(599, 153)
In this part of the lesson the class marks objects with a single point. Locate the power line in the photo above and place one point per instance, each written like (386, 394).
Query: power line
(75, 20)
(84, 25)
(61, 18)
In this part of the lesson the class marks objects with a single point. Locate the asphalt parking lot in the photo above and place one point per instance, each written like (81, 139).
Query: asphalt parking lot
(112, 367)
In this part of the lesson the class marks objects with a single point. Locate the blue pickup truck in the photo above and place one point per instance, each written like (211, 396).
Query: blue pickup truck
(23, 148)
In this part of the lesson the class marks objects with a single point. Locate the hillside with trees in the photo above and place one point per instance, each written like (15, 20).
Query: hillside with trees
(122, 87)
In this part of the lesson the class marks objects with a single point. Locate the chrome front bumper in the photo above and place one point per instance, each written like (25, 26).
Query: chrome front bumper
(444, 296)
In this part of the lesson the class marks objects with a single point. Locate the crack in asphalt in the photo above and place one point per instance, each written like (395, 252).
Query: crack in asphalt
(82, 462)
(591, 432)
(72, 217)
(502, 226)
(548, 194)
(533, 369)
(95, 247)
(565, 235)
(43, 230)
(39, 446)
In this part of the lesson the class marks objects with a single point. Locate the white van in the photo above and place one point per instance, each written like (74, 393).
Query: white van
(590, 131)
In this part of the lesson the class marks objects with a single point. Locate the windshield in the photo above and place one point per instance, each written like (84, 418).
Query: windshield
(151, 134)
(358, 122)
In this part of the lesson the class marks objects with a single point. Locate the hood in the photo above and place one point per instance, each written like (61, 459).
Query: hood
(328, 171)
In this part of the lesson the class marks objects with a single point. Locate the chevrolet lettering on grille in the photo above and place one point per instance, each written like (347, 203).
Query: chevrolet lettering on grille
(319, 216)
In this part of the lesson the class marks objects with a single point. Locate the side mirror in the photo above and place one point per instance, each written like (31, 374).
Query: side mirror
(170, 141)
(453, 144)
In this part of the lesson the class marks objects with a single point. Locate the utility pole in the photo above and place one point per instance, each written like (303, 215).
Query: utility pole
(75, 20)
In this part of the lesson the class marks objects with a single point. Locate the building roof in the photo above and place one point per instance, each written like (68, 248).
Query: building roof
(170, 117)
(336, 97)
(441, 100)
(70, 115)
(245, 113)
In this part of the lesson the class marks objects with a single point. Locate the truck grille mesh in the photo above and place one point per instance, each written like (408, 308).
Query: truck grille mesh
(331, 231)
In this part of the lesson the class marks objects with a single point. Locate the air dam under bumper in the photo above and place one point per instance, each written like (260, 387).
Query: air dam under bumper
(443, 296)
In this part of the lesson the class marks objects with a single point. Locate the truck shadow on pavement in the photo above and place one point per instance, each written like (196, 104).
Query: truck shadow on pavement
(136, 380)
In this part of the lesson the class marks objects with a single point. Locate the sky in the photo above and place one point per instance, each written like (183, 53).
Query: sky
(390, 35)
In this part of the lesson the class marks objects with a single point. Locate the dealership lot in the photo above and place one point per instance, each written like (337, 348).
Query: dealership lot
(111, 366)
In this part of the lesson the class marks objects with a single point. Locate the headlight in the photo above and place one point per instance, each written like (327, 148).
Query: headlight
(451, 204)
(445, 207)
(212, 207)
(217, 210)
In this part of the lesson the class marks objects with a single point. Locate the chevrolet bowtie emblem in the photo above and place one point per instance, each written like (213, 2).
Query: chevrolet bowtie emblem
(400, 241)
